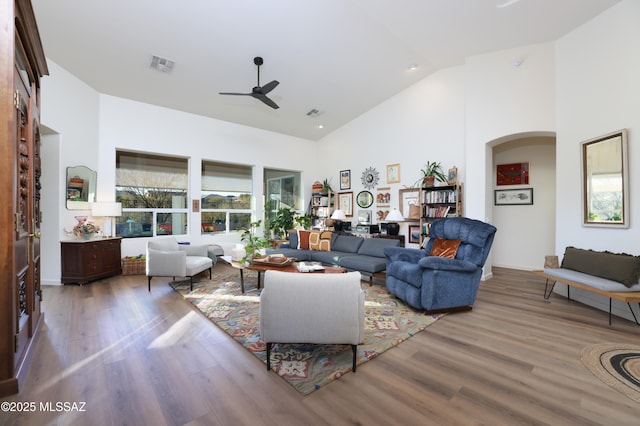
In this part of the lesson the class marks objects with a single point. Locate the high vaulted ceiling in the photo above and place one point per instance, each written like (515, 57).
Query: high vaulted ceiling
(341, 57)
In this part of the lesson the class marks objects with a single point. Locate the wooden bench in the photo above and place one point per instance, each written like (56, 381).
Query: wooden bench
(628, 297)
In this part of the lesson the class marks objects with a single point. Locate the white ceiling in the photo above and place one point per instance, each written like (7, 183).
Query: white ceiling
(341, 57)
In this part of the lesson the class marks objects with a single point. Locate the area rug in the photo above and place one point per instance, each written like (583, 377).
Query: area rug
(617, 365)
(388, 322)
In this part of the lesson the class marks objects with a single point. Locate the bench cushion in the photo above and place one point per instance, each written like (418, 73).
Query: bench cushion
(620, 267)
(590, 280)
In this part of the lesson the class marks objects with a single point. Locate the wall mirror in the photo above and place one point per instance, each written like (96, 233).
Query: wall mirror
(605, 181)
(364, 199)
(80, 187)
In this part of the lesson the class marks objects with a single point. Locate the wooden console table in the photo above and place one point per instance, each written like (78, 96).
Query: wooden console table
(85, 261)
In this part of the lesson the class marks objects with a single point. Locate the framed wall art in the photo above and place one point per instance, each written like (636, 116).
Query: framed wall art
(452, 177)
(393, 173)
(345, 179)
(410, 197)
(345, 203)
(414, 234)
(513, 197)
(383, 202)
(512, 174)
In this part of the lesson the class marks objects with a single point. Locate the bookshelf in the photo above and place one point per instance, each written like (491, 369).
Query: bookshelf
(321, 209)
(437, 202)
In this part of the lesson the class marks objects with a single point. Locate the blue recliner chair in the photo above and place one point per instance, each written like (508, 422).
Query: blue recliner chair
(438, 284)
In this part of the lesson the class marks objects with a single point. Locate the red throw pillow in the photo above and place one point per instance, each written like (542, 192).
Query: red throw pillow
(303, 239)
(445, 248)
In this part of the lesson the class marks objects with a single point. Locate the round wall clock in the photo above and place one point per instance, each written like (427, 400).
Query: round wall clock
(364, 199)
(370, 178)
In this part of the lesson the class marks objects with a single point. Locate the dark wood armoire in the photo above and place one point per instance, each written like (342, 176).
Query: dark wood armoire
(22, 65)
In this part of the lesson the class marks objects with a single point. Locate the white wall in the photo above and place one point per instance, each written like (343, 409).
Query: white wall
(422, 123)
(126, 124)
(89, 127)
(527, 232)
(598, 92)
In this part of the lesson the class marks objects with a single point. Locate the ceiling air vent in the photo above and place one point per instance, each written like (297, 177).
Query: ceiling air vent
(162, 64)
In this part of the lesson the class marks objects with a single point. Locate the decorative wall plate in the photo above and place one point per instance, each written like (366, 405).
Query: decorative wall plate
(370, 178)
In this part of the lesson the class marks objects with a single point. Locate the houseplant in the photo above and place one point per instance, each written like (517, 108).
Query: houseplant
(303, 220)
(431, 172)
(326, 186)
(283, 221)
(253, 243)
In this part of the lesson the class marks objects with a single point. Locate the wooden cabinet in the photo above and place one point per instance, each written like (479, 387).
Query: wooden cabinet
(85, 261)
(22, 65)
(321, 209)
(437, 202)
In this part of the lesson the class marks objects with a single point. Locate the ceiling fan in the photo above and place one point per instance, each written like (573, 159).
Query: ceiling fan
(259, 92)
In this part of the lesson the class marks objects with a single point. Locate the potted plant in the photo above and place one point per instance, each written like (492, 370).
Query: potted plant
(431, 172)
(283, 221)
(326, 186)
(303, 220)
(253, 243)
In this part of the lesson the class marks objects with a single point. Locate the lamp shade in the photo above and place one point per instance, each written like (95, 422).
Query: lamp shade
(338, 215)
(106, 209)
(394, 216)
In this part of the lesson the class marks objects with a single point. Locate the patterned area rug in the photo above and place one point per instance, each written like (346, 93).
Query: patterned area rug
(306, 367)
(617, 365)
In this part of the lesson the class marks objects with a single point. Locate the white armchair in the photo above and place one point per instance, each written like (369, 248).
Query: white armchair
(312, 308)
(167, 258)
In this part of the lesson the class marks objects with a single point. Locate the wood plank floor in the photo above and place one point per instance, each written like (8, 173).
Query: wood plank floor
(139, 358)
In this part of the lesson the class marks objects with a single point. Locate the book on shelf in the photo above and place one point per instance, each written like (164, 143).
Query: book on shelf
(439, 211)
(439, 197)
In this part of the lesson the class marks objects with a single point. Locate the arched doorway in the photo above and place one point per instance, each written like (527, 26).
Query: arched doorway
(526, 232)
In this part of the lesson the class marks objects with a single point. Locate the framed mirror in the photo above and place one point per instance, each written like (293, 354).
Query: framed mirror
(605, 181)
(364, 199)
(80, 188)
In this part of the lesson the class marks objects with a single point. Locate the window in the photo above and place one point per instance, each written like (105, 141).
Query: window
(225, 197)
(153, 192)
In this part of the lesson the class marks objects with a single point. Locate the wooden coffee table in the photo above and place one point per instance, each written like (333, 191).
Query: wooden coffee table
(289, 268)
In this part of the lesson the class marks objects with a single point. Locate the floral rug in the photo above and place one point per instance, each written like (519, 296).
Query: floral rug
(306, 367)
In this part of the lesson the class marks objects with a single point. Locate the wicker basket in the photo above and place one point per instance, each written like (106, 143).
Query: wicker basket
(133, 266)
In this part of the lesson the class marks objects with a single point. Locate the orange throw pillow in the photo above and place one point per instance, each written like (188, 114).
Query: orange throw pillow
(303, 239)
(445, 248)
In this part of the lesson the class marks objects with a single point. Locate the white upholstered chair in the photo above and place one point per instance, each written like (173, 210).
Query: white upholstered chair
(167, 258)
(312, 308)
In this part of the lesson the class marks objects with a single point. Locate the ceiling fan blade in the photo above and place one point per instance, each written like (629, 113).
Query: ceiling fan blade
(269, 87)
(266, 100)
(259, 92)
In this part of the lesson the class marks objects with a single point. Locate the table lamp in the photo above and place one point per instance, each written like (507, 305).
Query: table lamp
(394, 216)
(108, 210)
(338, 216)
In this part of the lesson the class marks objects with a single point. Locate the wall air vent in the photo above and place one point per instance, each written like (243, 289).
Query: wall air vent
(162, 64)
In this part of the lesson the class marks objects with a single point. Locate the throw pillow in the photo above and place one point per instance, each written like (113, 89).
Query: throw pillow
(445, 248)
(621, 267)
(303, 239)
(314, 240)
(325, 240)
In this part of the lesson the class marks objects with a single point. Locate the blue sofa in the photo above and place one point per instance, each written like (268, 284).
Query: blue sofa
(365, 255)
(438, 284)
